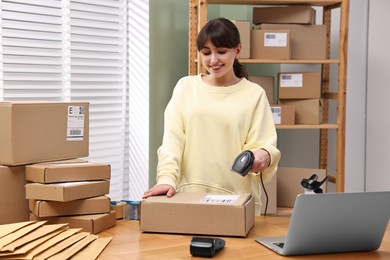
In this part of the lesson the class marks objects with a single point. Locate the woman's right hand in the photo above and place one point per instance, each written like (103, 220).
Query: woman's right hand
(160, 189)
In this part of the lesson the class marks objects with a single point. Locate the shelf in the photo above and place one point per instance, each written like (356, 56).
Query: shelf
(249, 61)
(276, 2)
(198, 17)
(320, 126)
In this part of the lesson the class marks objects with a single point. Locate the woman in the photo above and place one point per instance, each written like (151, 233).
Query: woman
(212, 118)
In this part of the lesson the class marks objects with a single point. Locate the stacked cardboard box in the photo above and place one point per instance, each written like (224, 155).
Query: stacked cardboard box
(302, 90)
(71, 192)
(34, 136)
(33, 132)
(290, 32)
(305, 39)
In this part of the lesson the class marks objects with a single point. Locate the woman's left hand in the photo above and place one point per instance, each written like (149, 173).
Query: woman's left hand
(262, 160)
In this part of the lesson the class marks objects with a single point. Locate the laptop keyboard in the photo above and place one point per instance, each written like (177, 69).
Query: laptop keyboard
(281, 245)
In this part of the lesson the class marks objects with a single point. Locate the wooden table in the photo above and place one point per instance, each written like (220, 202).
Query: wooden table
(129, 243)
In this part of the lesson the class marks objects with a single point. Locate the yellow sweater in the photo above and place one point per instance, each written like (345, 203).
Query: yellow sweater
(205, 128)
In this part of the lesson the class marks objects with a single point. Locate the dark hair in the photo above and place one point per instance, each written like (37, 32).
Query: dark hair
(222, 33)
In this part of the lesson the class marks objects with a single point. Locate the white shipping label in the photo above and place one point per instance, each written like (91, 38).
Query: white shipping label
(291, 80)
(275, 39)
(277, 115)
(75, 129)
(221, 199)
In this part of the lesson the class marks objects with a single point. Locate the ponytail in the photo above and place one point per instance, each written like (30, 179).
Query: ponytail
(239, 70)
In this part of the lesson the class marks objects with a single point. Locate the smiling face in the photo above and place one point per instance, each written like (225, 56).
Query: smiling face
(219, 45)
(218, 61)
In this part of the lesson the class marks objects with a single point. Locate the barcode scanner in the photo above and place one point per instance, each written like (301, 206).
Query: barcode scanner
(243, 163)
(206, 246)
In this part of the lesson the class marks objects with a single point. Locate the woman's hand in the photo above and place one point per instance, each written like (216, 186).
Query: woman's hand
(161, 189)
(262, 160)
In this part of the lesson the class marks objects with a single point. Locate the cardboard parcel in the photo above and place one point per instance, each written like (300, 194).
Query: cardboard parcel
(37, 131)
(199, 213)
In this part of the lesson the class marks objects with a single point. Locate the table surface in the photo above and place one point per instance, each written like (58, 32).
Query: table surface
(130, 243)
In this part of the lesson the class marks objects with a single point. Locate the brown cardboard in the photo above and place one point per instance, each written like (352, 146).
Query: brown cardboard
(267, 83)
(270, 44)
(33, 235)
(65, 171)
(307, 41)
(289, 183)
(6, 229)
(49, 242)
(198, 213)
(271, 188)
(62, 245)
(283, 115)
(299, 85)
(307, 111)
(284, 14)
(74, 248)
(33, 132)
(20, 233)
(244, 28)
(24, 251)
(93, 250)
(13, 203)
(67, 191)
(95, 205)
(122, 210)
(94, 224)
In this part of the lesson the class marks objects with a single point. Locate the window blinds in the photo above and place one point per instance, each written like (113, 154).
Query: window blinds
(72, 51)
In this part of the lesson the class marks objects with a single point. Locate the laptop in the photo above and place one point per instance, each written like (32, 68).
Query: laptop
(334, 223)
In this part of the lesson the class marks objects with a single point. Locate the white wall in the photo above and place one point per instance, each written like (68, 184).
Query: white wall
(378, 93)
(356, 97)
(368, 126)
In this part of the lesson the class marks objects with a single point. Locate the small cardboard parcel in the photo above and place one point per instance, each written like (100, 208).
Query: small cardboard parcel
(199, 213)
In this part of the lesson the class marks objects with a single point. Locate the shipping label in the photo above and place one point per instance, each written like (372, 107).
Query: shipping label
(220, 199)
(75, 128)
(275, 39)
(291, 80)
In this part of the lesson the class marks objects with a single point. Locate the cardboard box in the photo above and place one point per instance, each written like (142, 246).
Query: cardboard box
(67, 191)
(307, 111)
(307, 41)
(121, 209)
(94, 224)
(33, 132)
(283, 115)
(13, 203)
(267, 83)
(244, 28)
(65, 171)
(284, 14)
(289, 183)
(271, 188)
(299, 85)
(270, 44)
(95, 205)
(199, 213)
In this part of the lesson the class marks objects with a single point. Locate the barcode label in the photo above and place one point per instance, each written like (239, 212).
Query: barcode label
(277, 115)
(75, 132)
(291, 80)
(276, 110)
(220, 199)
(275, 39)
(76, 117)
